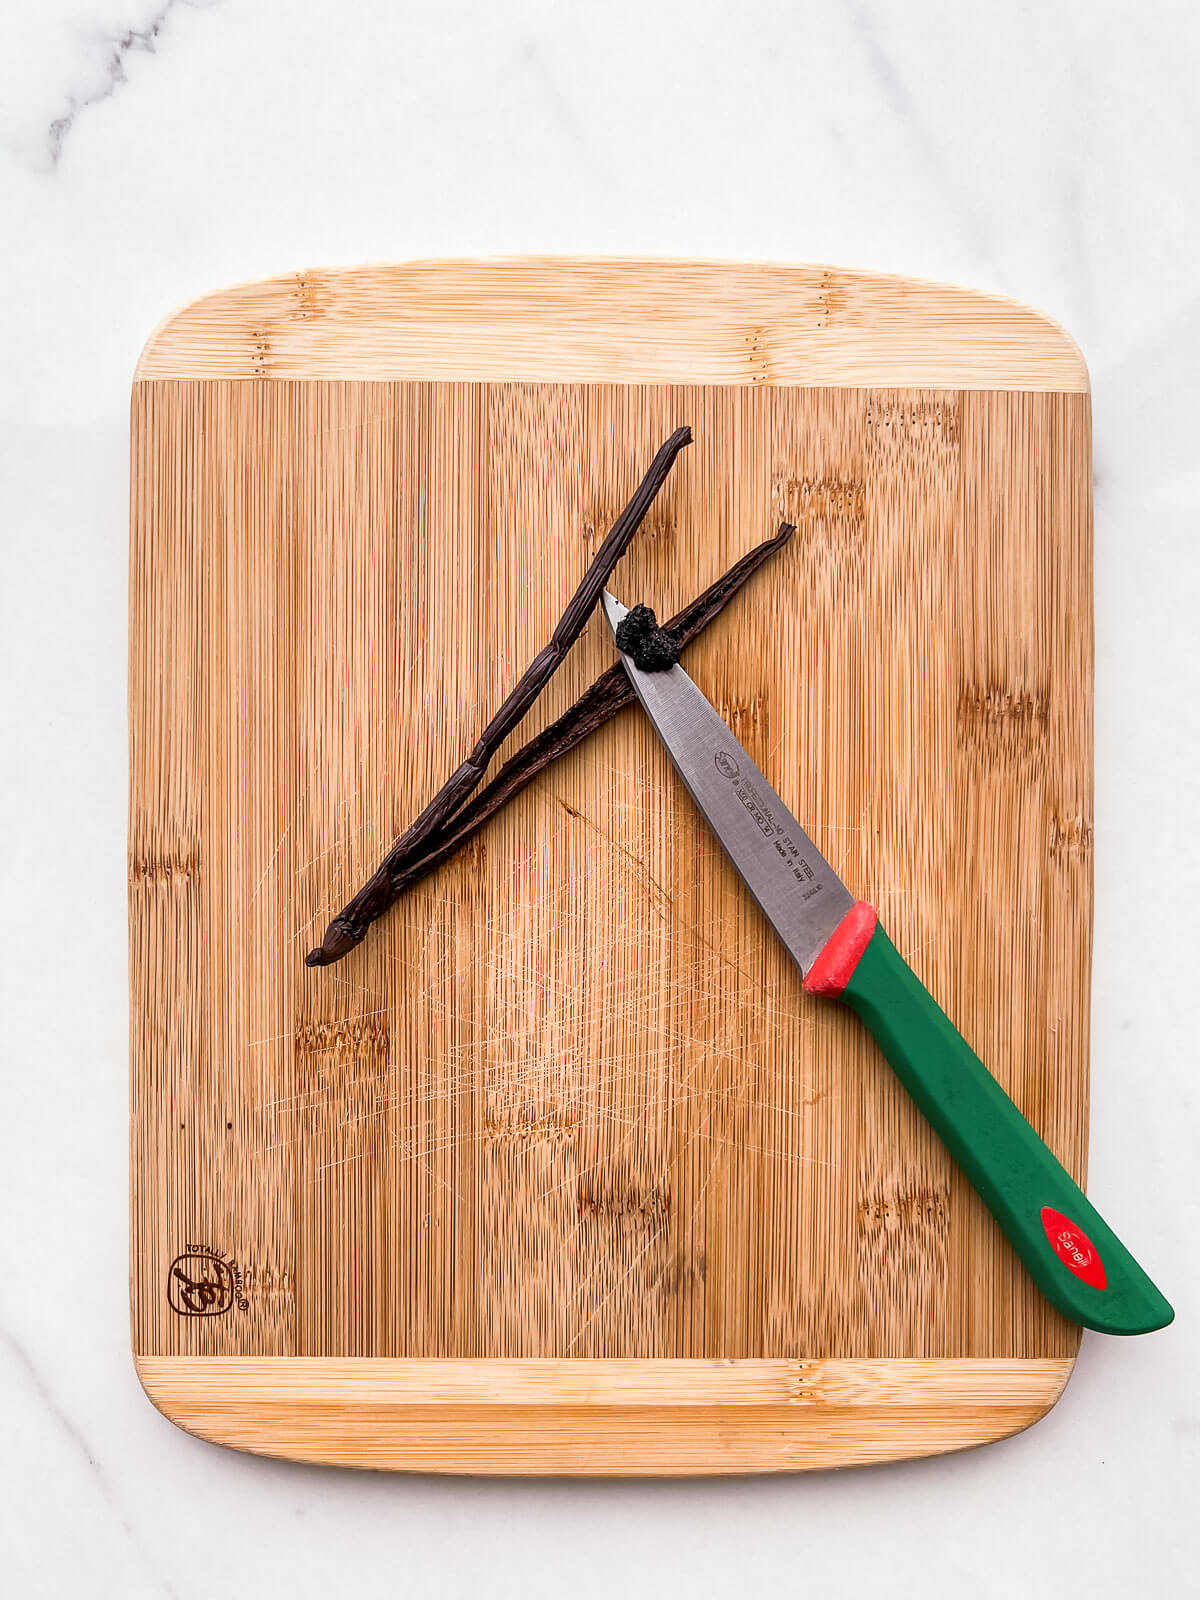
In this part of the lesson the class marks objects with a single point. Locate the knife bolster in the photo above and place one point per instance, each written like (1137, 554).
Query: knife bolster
(834, 967)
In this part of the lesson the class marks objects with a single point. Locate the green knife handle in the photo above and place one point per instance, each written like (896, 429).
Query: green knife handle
(1073, 1256)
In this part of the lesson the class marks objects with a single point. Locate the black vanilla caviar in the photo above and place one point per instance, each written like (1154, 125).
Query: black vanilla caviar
(649, 647)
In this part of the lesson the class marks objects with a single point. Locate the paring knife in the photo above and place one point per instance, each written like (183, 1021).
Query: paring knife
(843, 953)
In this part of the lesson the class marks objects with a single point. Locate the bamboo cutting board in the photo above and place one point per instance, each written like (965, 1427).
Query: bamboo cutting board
(561, 1171)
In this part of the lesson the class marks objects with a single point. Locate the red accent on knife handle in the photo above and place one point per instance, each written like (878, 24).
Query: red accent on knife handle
(834, 967)
(1073, 1248)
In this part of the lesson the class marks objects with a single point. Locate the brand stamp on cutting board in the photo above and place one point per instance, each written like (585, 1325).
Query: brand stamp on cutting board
(204, 1283)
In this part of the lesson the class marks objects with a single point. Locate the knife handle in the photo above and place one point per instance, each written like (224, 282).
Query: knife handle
(1072, 1255)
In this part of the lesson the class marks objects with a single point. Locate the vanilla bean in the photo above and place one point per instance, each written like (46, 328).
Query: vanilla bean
(598, 704)
(351, 923)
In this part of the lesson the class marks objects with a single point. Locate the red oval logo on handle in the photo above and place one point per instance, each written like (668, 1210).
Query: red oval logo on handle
(1073, 1248)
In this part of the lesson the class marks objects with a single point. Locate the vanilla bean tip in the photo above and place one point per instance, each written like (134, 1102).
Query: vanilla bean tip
(340, 938)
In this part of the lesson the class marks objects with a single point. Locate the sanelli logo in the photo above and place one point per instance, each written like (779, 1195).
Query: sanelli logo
(725, 764)
(1073, 1248)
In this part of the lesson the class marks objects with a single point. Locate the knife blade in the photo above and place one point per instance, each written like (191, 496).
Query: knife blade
(844, 954)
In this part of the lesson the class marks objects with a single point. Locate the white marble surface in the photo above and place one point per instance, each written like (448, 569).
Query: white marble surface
(153, 149)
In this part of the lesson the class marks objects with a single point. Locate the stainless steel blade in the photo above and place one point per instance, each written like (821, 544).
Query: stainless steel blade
(799, 892)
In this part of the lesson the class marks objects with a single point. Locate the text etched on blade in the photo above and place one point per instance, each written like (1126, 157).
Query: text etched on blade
(763, 817)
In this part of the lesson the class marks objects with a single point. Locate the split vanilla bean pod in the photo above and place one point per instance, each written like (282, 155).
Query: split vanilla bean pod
(351, 923)
(610, 693)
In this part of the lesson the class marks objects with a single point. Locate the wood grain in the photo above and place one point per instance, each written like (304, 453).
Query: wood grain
(550, 320)
(600, 1418)
(569, 1103)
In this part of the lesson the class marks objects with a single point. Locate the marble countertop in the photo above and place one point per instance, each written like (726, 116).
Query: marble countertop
(151, 150)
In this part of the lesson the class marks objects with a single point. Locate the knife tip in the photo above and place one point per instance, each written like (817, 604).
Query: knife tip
(614, 612)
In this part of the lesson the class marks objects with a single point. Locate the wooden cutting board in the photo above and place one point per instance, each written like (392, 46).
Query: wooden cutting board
(561, 1171)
